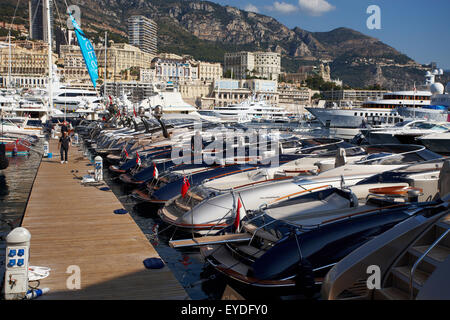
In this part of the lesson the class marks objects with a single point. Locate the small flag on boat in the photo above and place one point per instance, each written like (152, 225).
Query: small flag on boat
(138, 159)
(155, 171)
(134, 112)
(185, 187)
(124, 150)
(237, 220)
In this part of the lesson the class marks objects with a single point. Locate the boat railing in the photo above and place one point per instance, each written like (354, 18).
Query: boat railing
(348, 217)
(416, 264)
(392, 156)
(261, 228)
(322, 145)
(218, 222)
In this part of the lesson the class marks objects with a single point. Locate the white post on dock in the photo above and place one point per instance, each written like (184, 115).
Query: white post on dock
(98, 168)
(17, 255)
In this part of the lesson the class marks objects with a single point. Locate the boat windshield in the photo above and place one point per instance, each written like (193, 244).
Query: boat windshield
(402, 124)
(397, 154)
(401, 174)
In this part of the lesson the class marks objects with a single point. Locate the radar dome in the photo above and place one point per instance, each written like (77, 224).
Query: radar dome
(428, 73)
(447, 88)
(437, 88)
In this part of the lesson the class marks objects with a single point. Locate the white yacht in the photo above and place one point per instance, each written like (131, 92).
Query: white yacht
(170, 100)
(382, 111)
(251, 109)
(392, 108)
(19, 126)
(66, 98)
(405, 132)
(438, 109)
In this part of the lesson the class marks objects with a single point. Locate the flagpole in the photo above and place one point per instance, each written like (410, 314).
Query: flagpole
(414, 112)
(10, 61)
(50, 57)
(106, 72)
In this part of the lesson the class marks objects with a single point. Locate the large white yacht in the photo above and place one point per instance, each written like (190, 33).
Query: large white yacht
(170, 101)
(438, 109)
(382, 111)
(428, 101)
(67, 98)
(251, 109)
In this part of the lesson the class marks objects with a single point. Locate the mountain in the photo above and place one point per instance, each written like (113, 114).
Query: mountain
(207, 30)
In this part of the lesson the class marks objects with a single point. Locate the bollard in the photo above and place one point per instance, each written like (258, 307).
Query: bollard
(17, 255)
(75, 139)
(85, 151)
(46, 149)
(98, 168)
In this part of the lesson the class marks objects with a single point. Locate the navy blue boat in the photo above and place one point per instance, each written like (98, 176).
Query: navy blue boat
(283, 254)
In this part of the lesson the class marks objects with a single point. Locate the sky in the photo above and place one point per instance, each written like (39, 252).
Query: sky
(418, 28)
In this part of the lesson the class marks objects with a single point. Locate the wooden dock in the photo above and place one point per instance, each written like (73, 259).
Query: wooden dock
(75, 225)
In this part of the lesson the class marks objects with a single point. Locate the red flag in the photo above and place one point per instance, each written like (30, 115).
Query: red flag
(125, 151)
(138, 159)
(238, 215)
(155, 171)
(185, 187)
(134, 112)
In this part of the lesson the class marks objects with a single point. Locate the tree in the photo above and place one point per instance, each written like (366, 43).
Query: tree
(317, 96)
(227, 74)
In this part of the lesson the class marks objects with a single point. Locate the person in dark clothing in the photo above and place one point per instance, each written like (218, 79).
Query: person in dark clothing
(63, 145)
(64, 128)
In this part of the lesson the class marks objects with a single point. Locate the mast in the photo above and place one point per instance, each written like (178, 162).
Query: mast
(10, 61)
(50, 58)
(414, 106)
(106, 72)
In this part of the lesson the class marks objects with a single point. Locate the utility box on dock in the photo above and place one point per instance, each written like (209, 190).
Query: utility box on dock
(46, 149)
(76, 139)
(17, 256)
(98, 168)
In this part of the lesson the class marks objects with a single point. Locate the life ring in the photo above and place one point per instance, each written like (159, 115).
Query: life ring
(398, 191)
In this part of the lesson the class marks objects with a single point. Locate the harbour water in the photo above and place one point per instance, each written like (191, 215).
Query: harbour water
(15, 187)
(199, 281)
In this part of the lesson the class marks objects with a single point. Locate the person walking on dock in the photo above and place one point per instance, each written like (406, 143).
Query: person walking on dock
(63, 145)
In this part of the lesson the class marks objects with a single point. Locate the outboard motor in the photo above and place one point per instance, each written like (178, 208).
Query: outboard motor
(157, 113)
(136, 127)
(359, 139)
(147, 127)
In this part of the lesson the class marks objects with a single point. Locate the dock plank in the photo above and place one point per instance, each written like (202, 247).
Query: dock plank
(75, 225)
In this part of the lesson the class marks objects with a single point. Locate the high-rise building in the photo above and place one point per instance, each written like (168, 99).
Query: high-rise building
(38, 19)
(143, 33)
